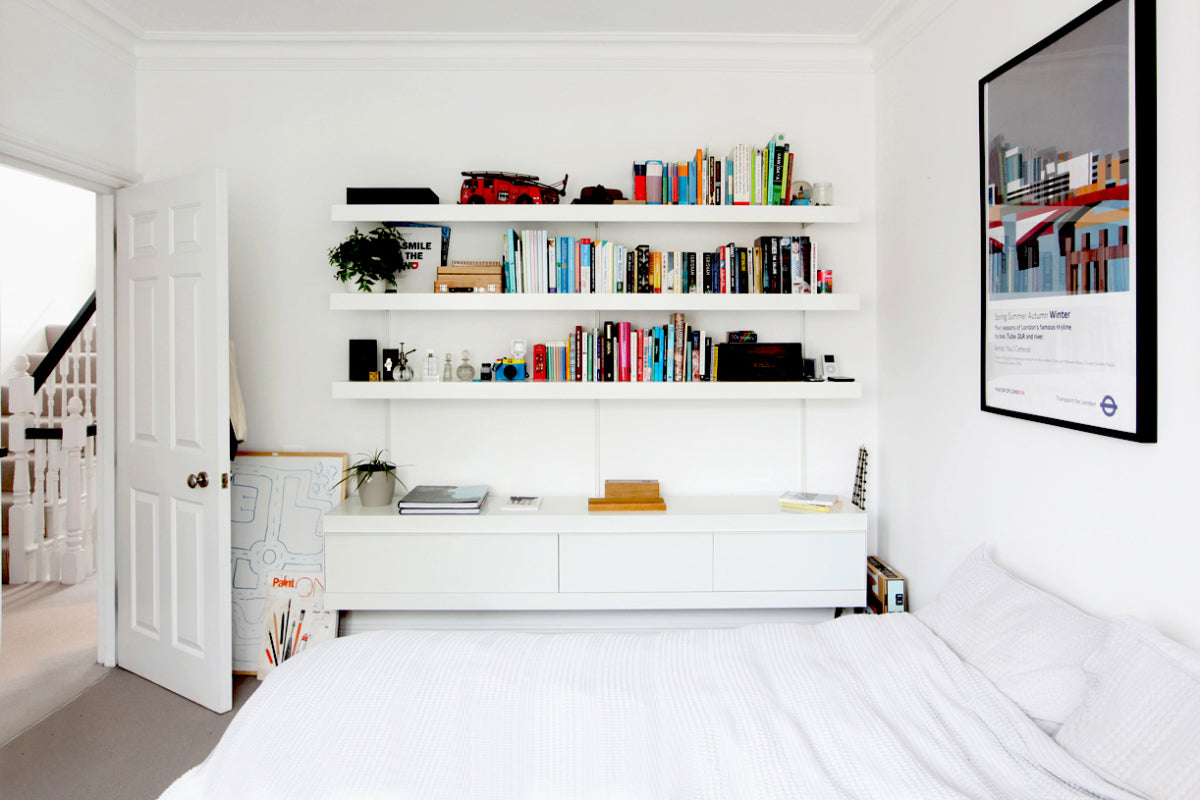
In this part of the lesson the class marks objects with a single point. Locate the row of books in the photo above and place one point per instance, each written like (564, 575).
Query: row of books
(673, 352)
(749, 175)
(617, 352)
(536, 263)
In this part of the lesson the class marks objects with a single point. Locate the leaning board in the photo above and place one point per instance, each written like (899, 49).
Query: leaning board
(277, 506)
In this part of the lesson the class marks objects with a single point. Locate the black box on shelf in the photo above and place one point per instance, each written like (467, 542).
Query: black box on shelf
(759, 361)
(364, 358)
(383, 195)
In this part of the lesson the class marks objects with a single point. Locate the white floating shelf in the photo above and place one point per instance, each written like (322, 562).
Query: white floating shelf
(481, 301)
(531, 390)
(626, 212)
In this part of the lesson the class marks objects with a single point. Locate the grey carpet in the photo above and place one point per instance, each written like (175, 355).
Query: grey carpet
(47, 652)
(123, 739)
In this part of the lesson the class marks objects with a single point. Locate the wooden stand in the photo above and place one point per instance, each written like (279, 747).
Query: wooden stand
(628, 496)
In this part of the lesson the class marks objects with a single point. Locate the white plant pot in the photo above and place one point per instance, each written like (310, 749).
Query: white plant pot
(377, 490)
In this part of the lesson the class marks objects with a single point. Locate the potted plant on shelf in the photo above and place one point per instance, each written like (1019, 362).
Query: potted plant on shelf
(374, 478)
(370, 259)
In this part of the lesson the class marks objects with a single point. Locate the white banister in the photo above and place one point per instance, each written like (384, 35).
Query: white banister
(52, 520)
(74, 558)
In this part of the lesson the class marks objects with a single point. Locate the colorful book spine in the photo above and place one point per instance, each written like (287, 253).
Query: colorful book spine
(654, 182)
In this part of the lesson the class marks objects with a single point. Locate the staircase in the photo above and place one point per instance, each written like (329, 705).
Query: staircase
(47, 475)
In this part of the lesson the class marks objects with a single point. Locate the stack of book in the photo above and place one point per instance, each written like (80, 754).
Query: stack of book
(443, 500)
(470, 276)
(808, 501)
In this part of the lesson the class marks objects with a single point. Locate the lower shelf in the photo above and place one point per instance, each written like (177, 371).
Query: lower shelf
(544, 390)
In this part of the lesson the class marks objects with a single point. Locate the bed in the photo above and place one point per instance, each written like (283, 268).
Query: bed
(994, 690)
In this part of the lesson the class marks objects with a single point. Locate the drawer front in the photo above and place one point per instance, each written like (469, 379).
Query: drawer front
(749, 562)
(635, 562)
(442, 562)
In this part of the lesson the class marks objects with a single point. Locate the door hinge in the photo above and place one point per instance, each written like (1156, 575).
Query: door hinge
(224, 480)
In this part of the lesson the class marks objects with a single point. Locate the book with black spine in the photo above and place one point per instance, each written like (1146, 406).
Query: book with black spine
(608, 351)
(643, 269)
(743, 270)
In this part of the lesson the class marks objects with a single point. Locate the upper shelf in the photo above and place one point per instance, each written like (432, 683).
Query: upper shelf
(622, 212)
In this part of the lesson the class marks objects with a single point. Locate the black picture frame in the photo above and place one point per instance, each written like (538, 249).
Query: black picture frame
(1067, 162)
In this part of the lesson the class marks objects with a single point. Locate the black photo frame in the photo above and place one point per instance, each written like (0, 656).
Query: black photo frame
(1068, 235)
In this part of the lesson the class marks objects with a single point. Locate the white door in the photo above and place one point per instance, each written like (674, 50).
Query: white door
(172, 436)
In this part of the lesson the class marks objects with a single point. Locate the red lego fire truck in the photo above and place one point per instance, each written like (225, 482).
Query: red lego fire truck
(509, 187)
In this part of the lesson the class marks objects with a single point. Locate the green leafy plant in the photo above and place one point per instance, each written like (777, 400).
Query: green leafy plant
(365, 258)
(367, 465)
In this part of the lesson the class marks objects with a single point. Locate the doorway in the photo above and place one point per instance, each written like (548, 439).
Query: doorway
(48, 631)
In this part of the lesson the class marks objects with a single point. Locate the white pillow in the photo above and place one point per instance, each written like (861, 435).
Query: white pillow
(1030, 644)
(1139, 724)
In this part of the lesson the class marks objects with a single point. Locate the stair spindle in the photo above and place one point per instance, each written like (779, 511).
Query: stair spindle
(55, 539)
(74, 558)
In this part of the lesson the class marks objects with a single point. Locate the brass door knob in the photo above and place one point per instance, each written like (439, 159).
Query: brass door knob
(199, 479)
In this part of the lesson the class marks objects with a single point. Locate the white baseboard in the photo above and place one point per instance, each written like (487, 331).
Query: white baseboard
(361, 621)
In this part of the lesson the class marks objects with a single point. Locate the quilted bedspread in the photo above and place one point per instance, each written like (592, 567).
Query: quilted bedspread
(860, 707)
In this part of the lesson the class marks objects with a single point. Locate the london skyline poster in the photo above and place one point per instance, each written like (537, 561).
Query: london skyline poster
(1068, 296)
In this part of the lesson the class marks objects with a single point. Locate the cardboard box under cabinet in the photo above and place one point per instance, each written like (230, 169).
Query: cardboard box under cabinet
(885, 588)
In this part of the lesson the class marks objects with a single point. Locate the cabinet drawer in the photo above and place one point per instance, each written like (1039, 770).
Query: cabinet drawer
(442, 562)
(635, 562)
(748, 562)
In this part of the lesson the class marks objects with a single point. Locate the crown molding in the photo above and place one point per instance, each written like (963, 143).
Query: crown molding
(31, 154)
(528, 51)
(897, 23)
(94, 22)
(370, 50)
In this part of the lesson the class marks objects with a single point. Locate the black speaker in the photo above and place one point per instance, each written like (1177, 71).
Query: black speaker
(364, 359)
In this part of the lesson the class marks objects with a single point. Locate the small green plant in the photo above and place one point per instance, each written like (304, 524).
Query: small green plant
(365, 258)
(367, 465)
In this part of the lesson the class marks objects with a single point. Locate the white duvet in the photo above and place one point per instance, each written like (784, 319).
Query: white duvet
(859, 707)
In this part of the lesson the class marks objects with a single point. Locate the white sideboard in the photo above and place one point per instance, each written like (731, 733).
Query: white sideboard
(701, 553)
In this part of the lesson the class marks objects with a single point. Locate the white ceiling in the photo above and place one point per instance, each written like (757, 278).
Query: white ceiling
(824, 19)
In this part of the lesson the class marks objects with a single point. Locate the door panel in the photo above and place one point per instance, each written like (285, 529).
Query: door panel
(172, 365)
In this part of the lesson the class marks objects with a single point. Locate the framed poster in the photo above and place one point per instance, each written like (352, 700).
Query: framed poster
(277, 504)
(1069, 333)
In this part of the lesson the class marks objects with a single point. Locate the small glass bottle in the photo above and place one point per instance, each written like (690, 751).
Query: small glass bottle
(431, 370)
(447, 374)
(465, 371)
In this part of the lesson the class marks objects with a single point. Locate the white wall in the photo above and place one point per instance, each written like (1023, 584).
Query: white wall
(1104, 523)
(293, 140)
(64, 87)
(47, 258)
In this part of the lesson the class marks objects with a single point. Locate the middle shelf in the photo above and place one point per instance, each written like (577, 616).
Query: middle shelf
(483, 301)
(591, 390)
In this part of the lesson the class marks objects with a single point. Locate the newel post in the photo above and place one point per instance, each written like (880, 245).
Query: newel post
(22, 548)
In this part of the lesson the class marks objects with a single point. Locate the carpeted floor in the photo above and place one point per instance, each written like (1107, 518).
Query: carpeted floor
(123, 739)
(47, 651)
